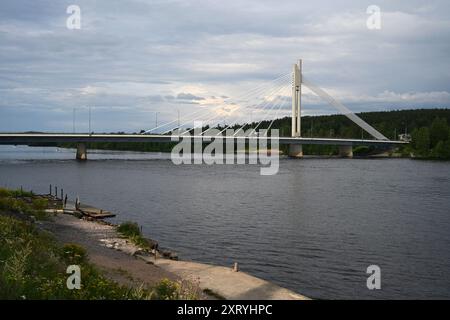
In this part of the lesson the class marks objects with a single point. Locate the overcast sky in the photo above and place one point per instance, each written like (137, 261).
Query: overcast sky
(131, 59)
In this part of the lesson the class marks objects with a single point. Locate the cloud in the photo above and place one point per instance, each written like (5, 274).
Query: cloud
(189, 97)
(143, 57)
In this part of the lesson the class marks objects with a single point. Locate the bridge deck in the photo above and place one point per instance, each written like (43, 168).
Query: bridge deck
(36, 138)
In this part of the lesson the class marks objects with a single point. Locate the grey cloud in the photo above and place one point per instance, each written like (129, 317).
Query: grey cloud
(189, 96)
(156, 48)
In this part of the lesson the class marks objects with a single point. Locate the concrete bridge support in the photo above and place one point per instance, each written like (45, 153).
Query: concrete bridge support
(81, 151)
(295, 151)
(346, 151)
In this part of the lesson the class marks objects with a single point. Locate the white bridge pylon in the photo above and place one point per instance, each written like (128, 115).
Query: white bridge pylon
(297, 81)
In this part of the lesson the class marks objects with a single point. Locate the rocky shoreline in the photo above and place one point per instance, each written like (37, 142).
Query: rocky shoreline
(108, 250)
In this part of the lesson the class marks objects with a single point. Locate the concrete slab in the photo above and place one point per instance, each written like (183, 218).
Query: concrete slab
(226, 282)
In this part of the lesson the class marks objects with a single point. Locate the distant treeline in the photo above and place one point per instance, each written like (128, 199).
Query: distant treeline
(429, 129)
(125, 146)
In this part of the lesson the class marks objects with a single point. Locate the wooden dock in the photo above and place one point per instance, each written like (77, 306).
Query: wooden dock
(87, 210)
(94, 212)
(59, 204)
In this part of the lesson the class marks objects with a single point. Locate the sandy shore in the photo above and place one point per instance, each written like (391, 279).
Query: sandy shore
(125, 263)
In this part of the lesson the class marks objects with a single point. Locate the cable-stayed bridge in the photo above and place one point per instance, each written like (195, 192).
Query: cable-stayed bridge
(207, 125)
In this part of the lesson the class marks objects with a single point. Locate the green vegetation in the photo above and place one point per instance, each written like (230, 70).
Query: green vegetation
(33, 265)
(432, 141)
(428, 127)
(74, 253)
(125, 146)
(129, 229)
(21, 203)
(132, 231)
(184, 290)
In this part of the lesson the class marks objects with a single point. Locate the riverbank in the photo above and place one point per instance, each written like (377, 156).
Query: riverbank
(35, 265)
(134, 264)
(121, 259)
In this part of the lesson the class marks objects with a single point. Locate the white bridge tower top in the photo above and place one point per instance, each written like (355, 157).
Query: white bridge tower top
(296, 99)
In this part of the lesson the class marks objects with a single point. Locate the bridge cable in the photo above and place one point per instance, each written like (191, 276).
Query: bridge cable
(272, 91)
(343, 109)
(269, 93)
(230, 125)
(253, 91)
(273, 120)
(266, 105)
(278, 105)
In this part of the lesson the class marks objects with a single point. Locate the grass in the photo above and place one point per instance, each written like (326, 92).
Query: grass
(33, 265)
(131, 231)
(12, 202)
(14, 193)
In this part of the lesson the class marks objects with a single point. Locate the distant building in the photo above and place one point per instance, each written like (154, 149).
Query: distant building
(404, 137)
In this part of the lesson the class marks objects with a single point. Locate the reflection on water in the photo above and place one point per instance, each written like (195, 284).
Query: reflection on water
(314, 227)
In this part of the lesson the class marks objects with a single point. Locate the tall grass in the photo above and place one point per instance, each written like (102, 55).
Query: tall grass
(132, 231)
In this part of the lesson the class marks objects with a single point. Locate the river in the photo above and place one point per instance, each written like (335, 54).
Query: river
(314, 227)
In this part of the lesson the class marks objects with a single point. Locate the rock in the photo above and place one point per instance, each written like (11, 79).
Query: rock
(173, 256)
(169, 254)
(153, 244)
(164, 253)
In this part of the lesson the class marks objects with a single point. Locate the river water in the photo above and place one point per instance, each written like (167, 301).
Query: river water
(314, 227)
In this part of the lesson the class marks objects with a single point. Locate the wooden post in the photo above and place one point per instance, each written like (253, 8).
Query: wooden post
(50, 193)
(56, 192)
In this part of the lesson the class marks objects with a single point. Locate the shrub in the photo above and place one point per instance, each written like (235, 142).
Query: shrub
(129, 229)
(18, 193)
(176, 290)
(74, 253)
(361, 150)
(166, 290)
(11, 204)
(39, 204)
(132, 231)
(5, 193)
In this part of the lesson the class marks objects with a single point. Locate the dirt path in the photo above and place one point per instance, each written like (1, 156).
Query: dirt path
(100, 240)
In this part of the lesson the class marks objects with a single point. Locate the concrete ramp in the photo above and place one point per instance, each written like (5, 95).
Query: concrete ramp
(226, 282)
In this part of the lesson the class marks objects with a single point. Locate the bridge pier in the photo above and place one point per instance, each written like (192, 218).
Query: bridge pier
(346, 151)
(295, 151)
(81, 152)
